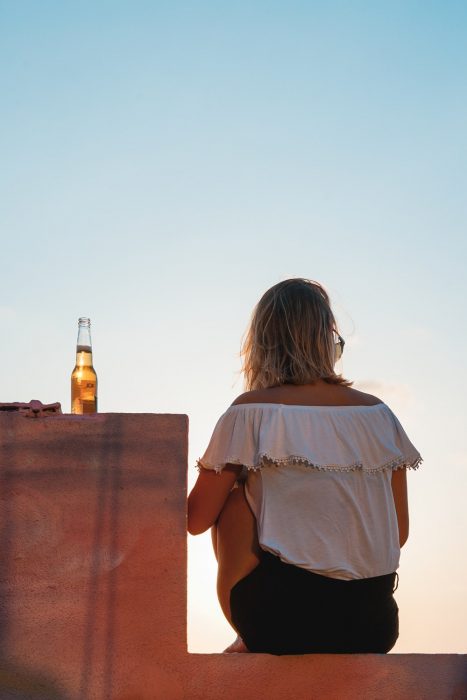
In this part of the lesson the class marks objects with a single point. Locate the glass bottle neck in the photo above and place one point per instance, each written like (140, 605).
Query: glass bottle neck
(84, 346)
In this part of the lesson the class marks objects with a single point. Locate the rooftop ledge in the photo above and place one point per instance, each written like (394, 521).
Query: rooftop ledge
(93, 580)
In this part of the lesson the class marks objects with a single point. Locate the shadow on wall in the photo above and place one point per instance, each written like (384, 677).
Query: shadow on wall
(16, 682)
(19, 684)
(104, 539)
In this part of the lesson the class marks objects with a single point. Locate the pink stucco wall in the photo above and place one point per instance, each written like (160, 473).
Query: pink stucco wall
(93, 580)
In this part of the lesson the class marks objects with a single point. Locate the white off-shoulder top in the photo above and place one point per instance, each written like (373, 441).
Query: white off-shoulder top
(319, 481)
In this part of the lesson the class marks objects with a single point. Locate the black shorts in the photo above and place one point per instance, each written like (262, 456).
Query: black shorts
(284, 609)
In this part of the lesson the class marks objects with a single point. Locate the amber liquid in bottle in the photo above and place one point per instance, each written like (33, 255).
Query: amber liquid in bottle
(84, 377)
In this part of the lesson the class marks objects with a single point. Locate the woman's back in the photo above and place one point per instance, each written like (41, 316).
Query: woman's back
(319, 475)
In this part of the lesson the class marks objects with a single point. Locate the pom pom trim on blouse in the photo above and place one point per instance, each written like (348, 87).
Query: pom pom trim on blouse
(267, 461)
(330, 438)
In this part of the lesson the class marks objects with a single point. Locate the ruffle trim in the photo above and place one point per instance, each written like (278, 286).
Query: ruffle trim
(266, 460)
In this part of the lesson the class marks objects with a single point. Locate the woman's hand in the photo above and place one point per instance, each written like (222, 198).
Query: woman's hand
(208, 496)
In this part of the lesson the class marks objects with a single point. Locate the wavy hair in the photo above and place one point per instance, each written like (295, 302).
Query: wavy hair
(291, 337)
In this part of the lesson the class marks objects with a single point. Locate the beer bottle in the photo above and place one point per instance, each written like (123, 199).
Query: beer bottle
(84, 377)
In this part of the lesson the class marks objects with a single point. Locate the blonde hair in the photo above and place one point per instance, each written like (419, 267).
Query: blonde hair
(290, 339)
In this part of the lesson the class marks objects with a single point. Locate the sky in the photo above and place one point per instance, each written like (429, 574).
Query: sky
(164, 163)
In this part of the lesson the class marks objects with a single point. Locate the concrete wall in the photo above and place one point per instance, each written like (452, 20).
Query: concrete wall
(93, 579)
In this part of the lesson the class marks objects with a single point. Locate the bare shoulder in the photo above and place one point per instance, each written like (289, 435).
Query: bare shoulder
(361, 397)
(322, 394)
(254, 396)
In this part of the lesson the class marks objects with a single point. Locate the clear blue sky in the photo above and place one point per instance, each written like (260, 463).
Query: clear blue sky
(163, 163)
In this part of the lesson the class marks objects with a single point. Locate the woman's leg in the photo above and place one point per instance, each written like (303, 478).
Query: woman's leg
(235, 542)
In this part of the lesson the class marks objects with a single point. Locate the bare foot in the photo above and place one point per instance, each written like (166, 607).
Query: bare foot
(237, 647)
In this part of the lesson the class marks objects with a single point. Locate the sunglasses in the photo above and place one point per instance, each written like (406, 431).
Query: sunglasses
(340, 342)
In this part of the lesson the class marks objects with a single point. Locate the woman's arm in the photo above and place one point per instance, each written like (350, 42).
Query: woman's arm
(208, 496)
(399, 491)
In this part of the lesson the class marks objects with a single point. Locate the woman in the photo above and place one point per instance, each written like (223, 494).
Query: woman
(308, 544)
